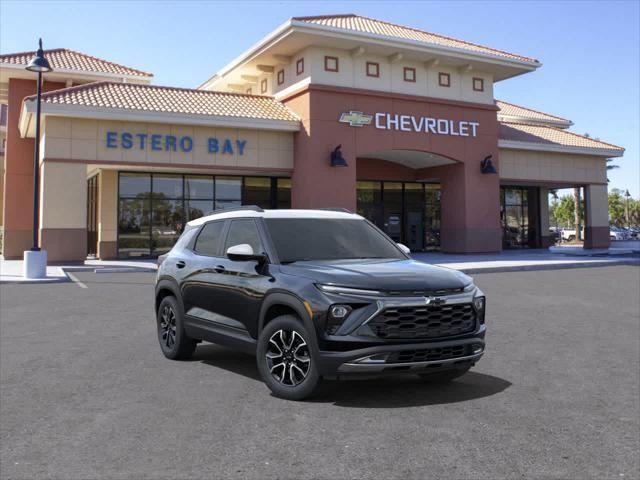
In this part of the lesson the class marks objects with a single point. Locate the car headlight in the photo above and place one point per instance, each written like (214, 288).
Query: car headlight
(336, 316)
(470, 288)
(478, 302)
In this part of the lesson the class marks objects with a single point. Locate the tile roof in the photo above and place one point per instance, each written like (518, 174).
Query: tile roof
(544, 135)
(65, 59)
(152, 98)
(512, 110)
(370, 25)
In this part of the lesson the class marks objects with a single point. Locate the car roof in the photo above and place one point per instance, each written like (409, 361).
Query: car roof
(284, 213)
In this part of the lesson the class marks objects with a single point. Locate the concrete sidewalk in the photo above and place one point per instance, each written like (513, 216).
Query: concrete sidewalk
(506, 261)
(11, 270)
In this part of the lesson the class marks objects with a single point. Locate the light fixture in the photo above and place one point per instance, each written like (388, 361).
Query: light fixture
(337, 160)
(486, 166)
(39, 62)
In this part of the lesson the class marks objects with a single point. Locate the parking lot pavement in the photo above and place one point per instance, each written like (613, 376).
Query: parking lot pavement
(86, 393)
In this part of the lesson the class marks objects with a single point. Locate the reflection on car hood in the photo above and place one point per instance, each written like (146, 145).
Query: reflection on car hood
(379, 274)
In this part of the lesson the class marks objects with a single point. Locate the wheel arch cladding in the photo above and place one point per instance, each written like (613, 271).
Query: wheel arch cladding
(278, 304)
(166, 288)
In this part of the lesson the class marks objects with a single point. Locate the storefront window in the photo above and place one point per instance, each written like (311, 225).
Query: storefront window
(283, 195)
(257, 191)
(518, 217)
(153, 208)
(408, 212)
(228, 192)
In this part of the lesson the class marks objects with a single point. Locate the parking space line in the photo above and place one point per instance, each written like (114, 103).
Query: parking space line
(75, 280)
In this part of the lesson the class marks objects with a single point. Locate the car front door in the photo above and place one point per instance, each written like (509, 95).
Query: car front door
(246, 282)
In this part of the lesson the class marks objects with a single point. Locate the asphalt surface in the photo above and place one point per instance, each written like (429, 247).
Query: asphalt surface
(86, 393)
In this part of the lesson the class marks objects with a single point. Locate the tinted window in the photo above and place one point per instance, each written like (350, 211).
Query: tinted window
(328, 239)
(208, 241)
(244, 231)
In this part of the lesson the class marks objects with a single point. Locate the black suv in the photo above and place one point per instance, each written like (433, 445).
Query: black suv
(315, 293)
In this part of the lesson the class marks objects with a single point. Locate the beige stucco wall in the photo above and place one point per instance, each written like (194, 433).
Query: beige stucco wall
(597, 211)
(552, 167)
(85, 140)
(63, 196)
(108, 206)
(352, 73)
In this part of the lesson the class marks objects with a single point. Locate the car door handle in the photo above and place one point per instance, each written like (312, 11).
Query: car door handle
(180, 264)
(219, 268)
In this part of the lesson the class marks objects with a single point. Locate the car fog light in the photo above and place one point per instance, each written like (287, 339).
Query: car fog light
(478, 302)
(477, 348)
(339, 311)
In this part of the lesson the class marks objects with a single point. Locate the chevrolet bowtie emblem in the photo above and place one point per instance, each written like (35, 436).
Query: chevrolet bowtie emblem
(355, 119)
(434, 301)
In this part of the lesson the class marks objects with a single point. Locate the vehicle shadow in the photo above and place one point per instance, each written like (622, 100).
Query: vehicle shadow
(396, 391)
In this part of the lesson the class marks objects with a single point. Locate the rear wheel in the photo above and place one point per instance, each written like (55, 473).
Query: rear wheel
(285, 359)
(174, 342)
(445, 376)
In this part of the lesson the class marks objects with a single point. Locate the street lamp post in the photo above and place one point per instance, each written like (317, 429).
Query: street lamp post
(626, 208)
(35, 260)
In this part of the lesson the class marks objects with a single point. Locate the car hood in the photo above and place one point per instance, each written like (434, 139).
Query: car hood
(380, 274)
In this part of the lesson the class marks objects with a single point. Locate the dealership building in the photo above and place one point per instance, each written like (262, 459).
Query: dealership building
(398, 124)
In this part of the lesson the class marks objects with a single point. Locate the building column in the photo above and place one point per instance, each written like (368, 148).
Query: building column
(596, 216)
(18, 173)
(107, 214)
(63, 211)
(314, 182)
(546, 240)
(470, 209)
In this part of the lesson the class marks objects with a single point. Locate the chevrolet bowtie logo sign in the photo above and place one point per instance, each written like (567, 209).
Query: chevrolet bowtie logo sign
(356, 119)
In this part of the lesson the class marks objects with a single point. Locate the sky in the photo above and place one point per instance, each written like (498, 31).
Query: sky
(590, 51)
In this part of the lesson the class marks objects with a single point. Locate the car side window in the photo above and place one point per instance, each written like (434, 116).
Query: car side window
(208, 241)
(244, 231)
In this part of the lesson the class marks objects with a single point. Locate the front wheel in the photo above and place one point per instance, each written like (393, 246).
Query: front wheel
(285, 359)
(445, 376)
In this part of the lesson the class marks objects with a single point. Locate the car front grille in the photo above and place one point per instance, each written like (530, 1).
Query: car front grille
(424, 321)
(429, 354)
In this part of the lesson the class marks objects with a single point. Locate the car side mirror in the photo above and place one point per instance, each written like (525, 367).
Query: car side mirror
(244, 253)
(404, 248)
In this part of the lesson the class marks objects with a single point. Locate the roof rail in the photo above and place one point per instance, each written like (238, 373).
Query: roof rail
(334, 209)
(251, 208)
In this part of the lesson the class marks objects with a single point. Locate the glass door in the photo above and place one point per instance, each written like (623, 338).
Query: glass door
(92, 216)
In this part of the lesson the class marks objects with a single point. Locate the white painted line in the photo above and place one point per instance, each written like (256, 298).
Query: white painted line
(75, 280)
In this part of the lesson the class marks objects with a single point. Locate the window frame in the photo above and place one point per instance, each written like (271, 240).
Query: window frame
(407, 70)
(280, 76)
(327, 59)
(300, 66)
(263, 85)
(377, 67)
(443, 75)
(480, 82)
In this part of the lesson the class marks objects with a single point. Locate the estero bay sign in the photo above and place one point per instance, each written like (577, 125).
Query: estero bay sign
(171, 143)
(411, 123)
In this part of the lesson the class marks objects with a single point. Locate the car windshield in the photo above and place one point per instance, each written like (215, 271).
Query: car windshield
(299, 239)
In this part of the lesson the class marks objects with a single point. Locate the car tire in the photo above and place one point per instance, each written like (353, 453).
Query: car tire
(445, 376)
(571, 238)
(174, 342)
(285, 359)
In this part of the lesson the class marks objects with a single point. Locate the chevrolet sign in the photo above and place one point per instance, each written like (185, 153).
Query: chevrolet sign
(355, 119)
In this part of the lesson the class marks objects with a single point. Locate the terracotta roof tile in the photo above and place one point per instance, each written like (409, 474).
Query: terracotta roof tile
(517, 132)
(513, 110)
(379, 27)
(65, 59)
(152, 98)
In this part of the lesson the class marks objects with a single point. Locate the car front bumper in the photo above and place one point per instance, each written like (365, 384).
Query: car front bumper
(379, 359)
